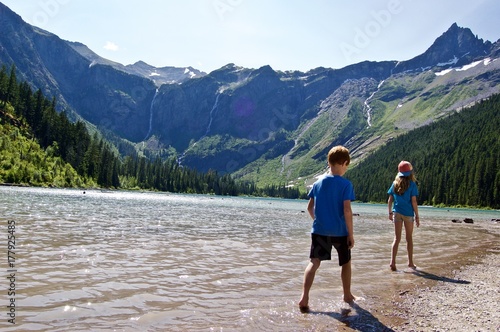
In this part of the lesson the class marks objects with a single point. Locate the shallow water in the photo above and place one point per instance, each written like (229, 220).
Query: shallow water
(128, 261)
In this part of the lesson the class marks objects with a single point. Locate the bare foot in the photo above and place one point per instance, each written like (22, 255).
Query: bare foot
(413, 267)
(349, 298)
(393, 267)
(303, 304)
(304, 309)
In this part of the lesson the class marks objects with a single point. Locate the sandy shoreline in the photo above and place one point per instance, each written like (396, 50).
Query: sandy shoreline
(465, 299)
(467, 302)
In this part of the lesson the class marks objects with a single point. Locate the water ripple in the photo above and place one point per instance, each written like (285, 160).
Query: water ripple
(145, 261)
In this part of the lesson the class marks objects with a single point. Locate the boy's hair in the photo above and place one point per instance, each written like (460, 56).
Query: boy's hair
(338, 155)
(402, 183)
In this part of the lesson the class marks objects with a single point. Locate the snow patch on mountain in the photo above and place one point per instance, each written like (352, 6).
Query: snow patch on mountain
(465, 67)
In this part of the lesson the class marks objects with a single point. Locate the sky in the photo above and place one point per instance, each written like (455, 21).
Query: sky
(285, 34)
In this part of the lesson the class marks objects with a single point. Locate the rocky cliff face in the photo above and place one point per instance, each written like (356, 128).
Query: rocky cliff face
(234, 118)
(98, 93)
(251, 105)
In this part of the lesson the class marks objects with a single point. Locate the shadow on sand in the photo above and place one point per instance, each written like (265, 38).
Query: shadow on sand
(356, 318)
(431, 276)
(359, 319)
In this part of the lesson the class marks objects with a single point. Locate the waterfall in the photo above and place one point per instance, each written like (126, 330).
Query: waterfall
(367, 106)
(151, 116)
(368, 110)
(212, 112)
(209, 127)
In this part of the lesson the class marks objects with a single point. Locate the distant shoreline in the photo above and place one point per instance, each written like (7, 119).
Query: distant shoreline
(5, 184)
(14, 185)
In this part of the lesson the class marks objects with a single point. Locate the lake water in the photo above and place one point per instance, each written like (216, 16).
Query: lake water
(132, 261)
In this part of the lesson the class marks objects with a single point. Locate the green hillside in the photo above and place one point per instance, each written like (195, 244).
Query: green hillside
(24, 162)
(456, 160)
(40, 147)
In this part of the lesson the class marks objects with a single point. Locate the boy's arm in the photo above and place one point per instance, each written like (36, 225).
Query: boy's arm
(349, 224)
(389, 206)
(415, 209)
(310, 207)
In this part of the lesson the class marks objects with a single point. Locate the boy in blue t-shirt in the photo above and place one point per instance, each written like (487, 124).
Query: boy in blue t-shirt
(330, 208)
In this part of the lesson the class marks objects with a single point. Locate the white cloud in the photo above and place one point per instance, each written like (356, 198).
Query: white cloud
(110, 46)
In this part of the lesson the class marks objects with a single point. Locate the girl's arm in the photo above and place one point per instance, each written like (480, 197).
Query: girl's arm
(389, 206)
(349, 223)
(415, 209)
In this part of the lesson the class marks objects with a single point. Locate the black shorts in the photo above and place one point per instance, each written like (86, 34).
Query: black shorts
(321, 247)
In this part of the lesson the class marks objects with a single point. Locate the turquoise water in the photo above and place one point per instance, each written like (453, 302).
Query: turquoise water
(128, 261)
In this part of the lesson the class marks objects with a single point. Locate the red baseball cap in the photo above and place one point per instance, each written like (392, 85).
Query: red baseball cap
(404, 168)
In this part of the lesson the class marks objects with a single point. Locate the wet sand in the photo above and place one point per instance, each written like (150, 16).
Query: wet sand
(463, 296)
(468, 302)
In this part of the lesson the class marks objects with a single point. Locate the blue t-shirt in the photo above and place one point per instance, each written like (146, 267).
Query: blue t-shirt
(329, 194)
(402, 203)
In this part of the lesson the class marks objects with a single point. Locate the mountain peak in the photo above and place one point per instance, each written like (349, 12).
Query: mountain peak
(454, 27)
(456, 34)
(6, 12)
(455, 47)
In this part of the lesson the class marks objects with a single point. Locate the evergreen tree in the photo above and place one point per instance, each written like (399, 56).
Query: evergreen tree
(456, 160)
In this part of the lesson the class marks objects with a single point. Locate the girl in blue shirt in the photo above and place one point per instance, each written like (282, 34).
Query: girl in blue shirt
(403, 194)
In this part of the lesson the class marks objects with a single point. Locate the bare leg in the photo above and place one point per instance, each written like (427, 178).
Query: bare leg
(398, 228)
(309, 274)
(409, 242)
(346, 282)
